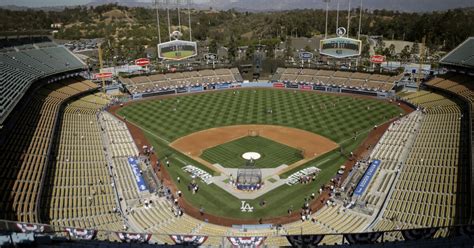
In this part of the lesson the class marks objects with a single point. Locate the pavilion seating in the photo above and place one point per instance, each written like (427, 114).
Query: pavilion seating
(344, 79)
(171, 81)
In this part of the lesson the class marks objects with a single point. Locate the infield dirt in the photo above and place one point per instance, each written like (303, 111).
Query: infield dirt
(312, 144)
(361, 152)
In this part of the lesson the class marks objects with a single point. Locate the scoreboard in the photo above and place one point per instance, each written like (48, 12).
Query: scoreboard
(340, 47)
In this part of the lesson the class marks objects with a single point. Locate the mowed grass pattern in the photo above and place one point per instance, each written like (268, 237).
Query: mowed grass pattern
(334, 116)
(273, 153)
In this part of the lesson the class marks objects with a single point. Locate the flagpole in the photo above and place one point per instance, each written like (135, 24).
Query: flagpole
(348, 18)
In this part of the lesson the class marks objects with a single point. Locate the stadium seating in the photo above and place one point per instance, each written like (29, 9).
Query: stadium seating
(120, 146)
(433, 186)
(392, 150)
(79, 183)
(356, 80)
(160, 82)
(25, 151)
(21, 68)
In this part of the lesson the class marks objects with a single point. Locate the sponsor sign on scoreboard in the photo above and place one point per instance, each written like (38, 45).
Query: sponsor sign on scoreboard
(340, 47)
(177, 50)
(377, 59)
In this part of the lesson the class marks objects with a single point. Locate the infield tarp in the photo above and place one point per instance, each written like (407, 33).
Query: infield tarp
(364, 182)
(138, 177)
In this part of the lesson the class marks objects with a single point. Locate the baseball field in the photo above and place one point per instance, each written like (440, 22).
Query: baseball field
(273, 154)
(343, 120)
(176, 55)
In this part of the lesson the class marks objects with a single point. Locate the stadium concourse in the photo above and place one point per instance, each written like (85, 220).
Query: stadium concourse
(72, 171)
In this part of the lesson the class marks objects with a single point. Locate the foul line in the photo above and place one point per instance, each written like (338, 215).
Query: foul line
(181, 160)
(150, 132)
(322, 162)
(367, 130)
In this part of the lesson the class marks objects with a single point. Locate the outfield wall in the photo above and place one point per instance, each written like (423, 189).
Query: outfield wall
(280, 85)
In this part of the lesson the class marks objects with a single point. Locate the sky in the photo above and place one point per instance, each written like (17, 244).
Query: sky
(403, 5)
(48, 3)
(43, 3)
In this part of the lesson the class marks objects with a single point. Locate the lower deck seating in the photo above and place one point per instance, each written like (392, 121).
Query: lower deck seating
(392, 150)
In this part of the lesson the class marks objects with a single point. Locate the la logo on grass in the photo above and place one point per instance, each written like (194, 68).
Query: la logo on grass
(246, 207)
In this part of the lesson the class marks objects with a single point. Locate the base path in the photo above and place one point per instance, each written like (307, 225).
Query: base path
(312, 144)
(361, 152)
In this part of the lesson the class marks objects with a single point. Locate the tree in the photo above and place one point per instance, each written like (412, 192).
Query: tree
(405, 53)
(250, 51)
(386, 53)
(415, 49)
(232, 48)
(270, 51)
(307, 48)
(391, 49)
(213, 46)
(365, 53)
(288, 48)
(379, 49)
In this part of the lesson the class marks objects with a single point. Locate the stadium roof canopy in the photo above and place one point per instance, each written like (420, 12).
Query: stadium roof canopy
(461, 56)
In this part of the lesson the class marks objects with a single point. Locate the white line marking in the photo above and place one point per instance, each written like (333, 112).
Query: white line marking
(150, 132)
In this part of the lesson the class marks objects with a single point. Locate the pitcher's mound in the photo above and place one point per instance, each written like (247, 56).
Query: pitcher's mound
(251, 155)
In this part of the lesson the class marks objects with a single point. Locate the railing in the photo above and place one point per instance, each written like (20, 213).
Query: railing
(15, 233)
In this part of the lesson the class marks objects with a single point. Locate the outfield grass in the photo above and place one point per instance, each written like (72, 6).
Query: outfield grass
(172, 54)
(168, 119)
(176, 117)
(273, 154)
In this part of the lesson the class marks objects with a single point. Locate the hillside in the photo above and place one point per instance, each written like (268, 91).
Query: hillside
(129, 31)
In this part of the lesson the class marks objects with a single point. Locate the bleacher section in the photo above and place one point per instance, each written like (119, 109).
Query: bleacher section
(25, 151)
(432, 189)
(344, 79)
(78, 182)
(21, 68)
(160, 82)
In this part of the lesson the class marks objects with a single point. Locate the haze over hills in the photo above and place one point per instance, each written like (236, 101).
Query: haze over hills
(265, 5)
(400, 5)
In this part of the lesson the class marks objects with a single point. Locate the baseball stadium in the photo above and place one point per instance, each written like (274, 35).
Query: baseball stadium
(309, 155)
